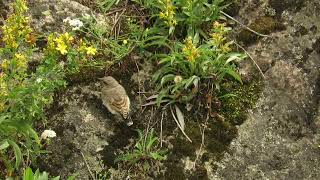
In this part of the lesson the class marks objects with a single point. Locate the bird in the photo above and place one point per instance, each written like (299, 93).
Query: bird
(115, 98)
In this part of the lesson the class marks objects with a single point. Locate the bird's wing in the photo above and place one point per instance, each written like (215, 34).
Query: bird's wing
(118, 98)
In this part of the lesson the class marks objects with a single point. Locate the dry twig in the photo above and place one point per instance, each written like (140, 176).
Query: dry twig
(255, 63)
(85, 161)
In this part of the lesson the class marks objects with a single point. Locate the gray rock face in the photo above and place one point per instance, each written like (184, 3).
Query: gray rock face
(280, 139)
(48, 15)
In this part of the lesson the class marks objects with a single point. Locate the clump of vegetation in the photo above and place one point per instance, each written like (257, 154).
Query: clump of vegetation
(144, 149)
(181, 71)
(145, 152)
(23, 94)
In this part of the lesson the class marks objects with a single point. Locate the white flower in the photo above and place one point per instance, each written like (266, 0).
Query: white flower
(76, 24)
(177, 79)
(48, 134)
(38, 80)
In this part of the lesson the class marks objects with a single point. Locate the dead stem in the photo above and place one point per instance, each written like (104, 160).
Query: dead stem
(85, 161)
(255, 63)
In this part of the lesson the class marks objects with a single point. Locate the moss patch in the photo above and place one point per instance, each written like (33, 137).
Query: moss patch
(234, 109)
(219, 132)
(264, 25)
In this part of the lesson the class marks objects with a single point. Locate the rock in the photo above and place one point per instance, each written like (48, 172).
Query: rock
(48, 16)
(280, 138)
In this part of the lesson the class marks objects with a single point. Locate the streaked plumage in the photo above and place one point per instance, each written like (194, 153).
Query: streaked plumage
(114, 97)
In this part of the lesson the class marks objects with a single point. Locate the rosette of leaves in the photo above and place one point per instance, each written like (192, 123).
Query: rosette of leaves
(193, 64)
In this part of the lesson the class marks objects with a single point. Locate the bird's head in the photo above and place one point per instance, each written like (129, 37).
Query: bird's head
(109, 81)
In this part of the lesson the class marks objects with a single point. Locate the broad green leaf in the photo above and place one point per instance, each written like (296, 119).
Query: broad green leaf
(17, 153)
(28, 174)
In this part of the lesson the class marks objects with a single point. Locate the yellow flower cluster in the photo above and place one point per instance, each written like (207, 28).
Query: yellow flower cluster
(21, 61)
(18, 63)
(16, 28)
(168, 12)
(84, 48)
(63, 44)
(218, 37)
(189, 50)
(3, 91)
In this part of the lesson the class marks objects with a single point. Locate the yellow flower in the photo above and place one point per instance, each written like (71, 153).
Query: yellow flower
(217, 38)
(125, 41)
(21, 60)
(5, 64)
(82, 46)
(68, 37)
(226, 48)
(168, 12)
(162, 15)
(62, 48)
(189, 50)
(91, 50)
(20, 56)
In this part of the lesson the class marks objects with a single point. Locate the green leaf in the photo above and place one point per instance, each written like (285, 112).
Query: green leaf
(43, 176)
(191, 81)
(150, 143)
(171, 29)
(33, 134)
(157, 156)
(167, 78)
(234, 57)
(69, 178)
(17, 153)
(28, 174)
(233, 74)
(4, 145)
(72, 177)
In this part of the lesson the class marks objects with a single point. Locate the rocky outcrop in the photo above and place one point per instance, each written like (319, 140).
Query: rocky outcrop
(280, 139)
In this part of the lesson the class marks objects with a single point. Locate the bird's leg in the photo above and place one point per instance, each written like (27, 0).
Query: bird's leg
(129, 121)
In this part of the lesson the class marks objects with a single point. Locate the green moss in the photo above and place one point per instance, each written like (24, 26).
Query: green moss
(264, 25)
(234, 109)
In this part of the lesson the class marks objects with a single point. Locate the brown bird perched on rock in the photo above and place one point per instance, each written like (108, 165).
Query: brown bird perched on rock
(115, 98)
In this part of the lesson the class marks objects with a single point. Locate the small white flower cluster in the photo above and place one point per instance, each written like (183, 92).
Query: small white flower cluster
(76, 24)
(48, 134)
(38, 80)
